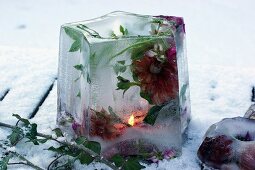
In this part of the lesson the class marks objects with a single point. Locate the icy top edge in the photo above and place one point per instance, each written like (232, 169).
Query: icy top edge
(122, 25)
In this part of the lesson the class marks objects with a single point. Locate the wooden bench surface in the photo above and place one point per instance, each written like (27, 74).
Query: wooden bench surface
(28, 87)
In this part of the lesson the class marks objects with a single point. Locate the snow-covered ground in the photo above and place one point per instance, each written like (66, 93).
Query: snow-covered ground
(221, 53)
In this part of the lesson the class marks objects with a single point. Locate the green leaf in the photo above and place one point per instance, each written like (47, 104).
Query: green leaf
(42, 140)
(81, 140)
(71, 33)
(140, 43)
(122, 62)
(133, 164)
(75, 46)
(31, 134)
(123, 81)
(4, 162)
(135, 77)
(58, 132)
(157, 20)
(124, 84)
(77, 79)
(36, 141)
(146, 96)
(123, 30)
(15, 136)
(117, 118)
(94, 146)
(129, 164)
(110, 109)
(33, 131)
(79, 94)
(183, 92)
(64, 150)
(79, 67)
(58, 150)
(119, 67)
(88, 78)
(85, 158)
(118, 160)
(126, 32)
(152, 115)
(93, 56)
(88, 30)
(25, 121)
(142, 46)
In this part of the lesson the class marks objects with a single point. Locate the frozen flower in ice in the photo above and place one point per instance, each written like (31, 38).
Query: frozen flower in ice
(105, 125)
(157, 79)
(160, 26)
(168, 154)
(150, 53)
(163, 28)
(75, 125)
(177, 21)
(157, 156)
(153, 159)
(216, 150)
(171, 57)
(171, 54)
(157, 52)
(76, 128)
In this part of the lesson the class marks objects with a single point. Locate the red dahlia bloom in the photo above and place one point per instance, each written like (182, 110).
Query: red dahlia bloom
(158, 79)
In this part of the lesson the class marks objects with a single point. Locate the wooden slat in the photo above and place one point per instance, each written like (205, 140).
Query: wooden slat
(27, 77)
(5, 92)
(33, 113)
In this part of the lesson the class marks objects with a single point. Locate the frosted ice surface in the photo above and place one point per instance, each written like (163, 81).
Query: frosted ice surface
(250, 112)
(229, 143)
(123, 81)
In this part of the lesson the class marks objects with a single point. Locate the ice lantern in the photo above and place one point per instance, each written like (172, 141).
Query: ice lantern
(123, 81)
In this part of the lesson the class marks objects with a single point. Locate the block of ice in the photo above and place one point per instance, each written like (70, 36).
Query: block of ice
(229, 144)
(123, 81)
(250, 112)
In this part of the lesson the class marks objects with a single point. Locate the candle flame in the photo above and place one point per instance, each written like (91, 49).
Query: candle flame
(131, 120)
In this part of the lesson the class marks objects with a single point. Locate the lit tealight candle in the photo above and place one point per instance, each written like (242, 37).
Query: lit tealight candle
(131, 120)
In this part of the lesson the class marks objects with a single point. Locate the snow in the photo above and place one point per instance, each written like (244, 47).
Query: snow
(233, 90)
(220, 40)
(27, 73)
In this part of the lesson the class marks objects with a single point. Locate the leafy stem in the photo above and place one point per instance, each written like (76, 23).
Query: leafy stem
(74, 35)
(65, 144)
(81, 149)
(135, 45)
(27, 162)
(125, 84)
